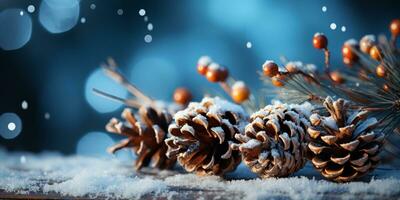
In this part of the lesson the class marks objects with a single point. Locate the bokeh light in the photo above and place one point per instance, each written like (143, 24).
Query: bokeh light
(24, 105)
(58, 16)
(16, 29)
(10, 125)
(102, 82)
(148, 38)
(95, 144)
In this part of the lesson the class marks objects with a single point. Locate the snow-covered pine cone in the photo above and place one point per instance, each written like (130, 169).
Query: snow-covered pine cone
(145, 135)
(343, 145)
(274, 142)
(202, 134)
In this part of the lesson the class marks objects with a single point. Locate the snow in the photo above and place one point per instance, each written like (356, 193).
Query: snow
(204, 60)
(351, 42)
(238, 84)
(214, 66)
(251, 144)
(88, 177)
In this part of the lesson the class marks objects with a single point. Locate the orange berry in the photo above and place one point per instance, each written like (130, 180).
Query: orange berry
(202, 64)
(380, 71)
(277, 81)
(395, 27)
(366, 43)
(182, 96)
(348, 51)
(348, 61)
(240, 92)
(386, 87)
(202, 69)
(223, 74)
(320, 41)
(291, 67)
(375, 53)
(213, 73)
(270, 68)
(336, 77)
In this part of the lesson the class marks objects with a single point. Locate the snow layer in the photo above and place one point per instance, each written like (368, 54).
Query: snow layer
(76, 176)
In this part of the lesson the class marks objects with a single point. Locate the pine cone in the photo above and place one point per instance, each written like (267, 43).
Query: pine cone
(145, 136)
(202, 134)
(274, 144)
(343, 146)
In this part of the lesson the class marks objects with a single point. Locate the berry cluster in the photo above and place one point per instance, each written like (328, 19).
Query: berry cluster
(216, 73)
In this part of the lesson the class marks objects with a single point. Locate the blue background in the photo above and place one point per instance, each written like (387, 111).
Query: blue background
(52, 71)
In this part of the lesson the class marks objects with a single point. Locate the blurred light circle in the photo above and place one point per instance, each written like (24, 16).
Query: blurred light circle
(16, 29)
(62, 3)
(92, 6)
(58, 16)
(102, 82)
(150, 74)
(148, 38)
(120, 12)
(249, 45)
(31, 8)
(142, 12)
(24, 105)
(150, 26)
(47, 116)
(94, 144)
(10, 125)
(83, 20)
(333, 26)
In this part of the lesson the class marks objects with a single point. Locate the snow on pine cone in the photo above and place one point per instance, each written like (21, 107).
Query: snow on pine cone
(145, 135)
(343, 145)
(202, 134)
(274, 142)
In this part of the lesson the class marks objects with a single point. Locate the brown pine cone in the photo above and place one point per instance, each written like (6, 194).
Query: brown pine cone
(274, 144)
(343, 146)
(202, 134)
(145, 136)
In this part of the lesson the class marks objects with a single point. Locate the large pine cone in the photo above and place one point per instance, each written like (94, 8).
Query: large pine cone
(274, 143)
(343, 145)
(202, 134)
(145, 136)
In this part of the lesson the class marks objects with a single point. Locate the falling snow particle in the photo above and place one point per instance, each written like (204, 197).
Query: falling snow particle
(148, 38)
(249, 45)
(150, 26)
(343, 29)
(324, 8)
(24, 105)
(92, 6)
(146, 18)
(120, 11)
(142, 12)
(83, 20)
(21, 13)
(47, 115)
(31, 8)
(333, 26)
